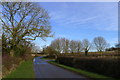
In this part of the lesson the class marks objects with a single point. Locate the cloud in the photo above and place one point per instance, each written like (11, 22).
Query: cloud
(83, 21)
(56, 15)
(111, 28)
(108, 24)
(62, 35)
(64, 19)
(73, 17)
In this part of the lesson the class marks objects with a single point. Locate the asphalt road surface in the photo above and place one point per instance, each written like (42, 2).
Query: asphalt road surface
(45, 70)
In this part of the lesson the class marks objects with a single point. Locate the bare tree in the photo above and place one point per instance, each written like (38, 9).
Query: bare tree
(24, 21)
(64, 45)
(61, 45)
(86, 46)
(79, 46)
(100, 43)
(73, 46)
(56, 45)
(67, 45)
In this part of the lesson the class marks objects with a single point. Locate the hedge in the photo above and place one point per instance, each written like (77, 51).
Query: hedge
(105, 66)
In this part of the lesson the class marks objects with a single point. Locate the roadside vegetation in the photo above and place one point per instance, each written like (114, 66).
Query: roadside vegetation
(91, 67)
(81, 72)
(76, 54)
(22, 22)
(107, 66)
(25, 70)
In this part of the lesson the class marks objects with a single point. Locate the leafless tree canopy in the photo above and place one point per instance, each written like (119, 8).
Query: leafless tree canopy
(24, 21)
(63, 45)
(100, 43)
(56, 45)
(86, 45)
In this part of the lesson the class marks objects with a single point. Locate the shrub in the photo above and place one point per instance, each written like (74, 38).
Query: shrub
(50, 56)
(106, 66)
(27, 56)
(9, 63)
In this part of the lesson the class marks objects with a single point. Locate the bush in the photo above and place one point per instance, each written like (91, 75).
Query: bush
(9, 63)
(50, 56)
(27, 56)
(106, 66)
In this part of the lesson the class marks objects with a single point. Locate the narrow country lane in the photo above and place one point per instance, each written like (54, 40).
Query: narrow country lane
(45, 70)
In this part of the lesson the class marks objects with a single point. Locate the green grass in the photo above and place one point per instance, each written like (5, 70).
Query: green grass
(82, 72)
(47, 58)
(25, 70)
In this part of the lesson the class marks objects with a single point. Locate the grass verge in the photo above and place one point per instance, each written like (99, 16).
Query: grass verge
(82, 72)
(47, 58)
(25, 70)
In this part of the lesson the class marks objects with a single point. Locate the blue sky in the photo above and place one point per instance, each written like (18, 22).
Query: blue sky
(80, 20)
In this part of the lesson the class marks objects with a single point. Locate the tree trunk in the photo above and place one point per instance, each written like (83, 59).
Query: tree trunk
(86, 53)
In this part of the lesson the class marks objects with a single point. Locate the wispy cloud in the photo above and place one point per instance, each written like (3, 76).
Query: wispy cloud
(56, 15)
(109, 24)
(79, 20)
(62, 35)
(59, 18)
(98, 19)
(83, 21)
(63, 19)
(111, 28)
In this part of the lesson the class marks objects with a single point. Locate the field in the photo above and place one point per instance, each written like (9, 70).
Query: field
(93, 54)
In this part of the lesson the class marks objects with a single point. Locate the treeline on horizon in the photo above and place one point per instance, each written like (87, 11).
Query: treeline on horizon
(64, 45)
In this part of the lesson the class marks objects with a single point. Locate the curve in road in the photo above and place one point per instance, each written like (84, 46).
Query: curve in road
(45, 70)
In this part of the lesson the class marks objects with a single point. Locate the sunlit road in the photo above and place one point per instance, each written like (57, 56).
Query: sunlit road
(45, 70)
